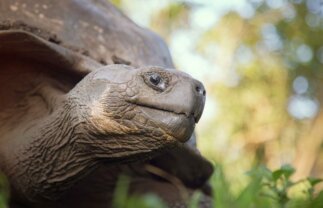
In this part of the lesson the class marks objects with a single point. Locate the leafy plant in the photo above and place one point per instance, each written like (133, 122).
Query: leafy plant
(122, 200)
(265, 189)
(272, 189)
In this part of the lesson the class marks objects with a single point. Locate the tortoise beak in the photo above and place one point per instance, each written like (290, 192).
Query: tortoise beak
(199, 97)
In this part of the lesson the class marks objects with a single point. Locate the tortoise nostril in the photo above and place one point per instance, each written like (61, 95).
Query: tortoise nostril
(204, 92)
(200, 90)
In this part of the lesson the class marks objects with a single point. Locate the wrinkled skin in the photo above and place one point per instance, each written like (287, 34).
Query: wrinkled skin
(37, 89)
(111, 115)
(149, 98)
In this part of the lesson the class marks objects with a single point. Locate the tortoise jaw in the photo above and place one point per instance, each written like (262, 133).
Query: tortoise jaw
(178, 125)
(158, 107)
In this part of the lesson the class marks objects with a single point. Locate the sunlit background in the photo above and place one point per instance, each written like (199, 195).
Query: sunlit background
(261, 62)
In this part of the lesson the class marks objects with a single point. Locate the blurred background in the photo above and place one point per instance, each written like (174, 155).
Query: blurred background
(261, 62)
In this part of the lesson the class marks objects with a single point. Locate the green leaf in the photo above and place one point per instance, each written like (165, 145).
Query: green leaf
(260, 173)
(285, 170)
(277, 174)
(194, 202)
(314, 181)
(121, 192)
(4, 191)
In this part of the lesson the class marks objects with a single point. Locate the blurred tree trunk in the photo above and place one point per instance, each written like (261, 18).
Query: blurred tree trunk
(308, 149)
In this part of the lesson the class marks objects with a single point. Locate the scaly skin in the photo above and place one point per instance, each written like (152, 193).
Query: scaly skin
(116, 114)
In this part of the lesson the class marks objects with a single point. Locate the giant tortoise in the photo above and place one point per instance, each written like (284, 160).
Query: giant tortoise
(87, 95)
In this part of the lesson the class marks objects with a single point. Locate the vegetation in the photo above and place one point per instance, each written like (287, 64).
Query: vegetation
(4, 193)
(265, 188)
(272, 189)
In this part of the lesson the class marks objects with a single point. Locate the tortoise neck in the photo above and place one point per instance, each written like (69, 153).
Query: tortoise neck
(50, 161)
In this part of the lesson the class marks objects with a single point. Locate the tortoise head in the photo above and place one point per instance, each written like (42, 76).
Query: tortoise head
(138, 109)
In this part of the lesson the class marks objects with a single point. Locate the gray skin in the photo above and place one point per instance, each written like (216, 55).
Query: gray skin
(54, 131)
(115, 114)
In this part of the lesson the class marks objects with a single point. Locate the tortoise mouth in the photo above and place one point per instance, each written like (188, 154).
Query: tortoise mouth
(166, 110)
(178, 125)
(159, 108)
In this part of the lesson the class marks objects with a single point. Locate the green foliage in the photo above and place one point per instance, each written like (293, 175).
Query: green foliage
(122, 200)
(272, 189)
(4, 193)
(265, 189)
(193, 203)
(116, 3)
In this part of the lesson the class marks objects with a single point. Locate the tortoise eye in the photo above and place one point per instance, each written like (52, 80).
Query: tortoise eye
(156, 81)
